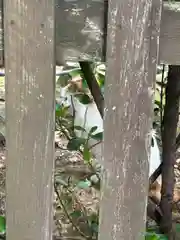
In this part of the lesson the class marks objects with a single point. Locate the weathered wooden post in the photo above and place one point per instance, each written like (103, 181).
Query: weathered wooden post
(30, 87)
(132, 49)
(1, 34)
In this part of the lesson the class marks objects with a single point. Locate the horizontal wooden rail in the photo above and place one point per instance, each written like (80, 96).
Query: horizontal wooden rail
(169, 51)
(80, 31)
(87, 28)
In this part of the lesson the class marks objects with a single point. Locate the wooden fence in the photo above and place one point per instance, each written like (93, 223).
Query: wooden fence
(134, 30)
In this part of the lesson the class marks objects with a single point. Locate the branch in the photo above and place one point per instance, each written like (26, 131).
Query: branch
(158, 171)
(67, 214)
(171, 115)
(93, 86)
(161, 101)
(153, 211)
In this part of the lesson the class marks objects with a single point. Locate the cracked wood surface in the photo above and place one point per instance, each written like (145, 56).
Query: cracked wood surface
(132, 49)
(30, 100)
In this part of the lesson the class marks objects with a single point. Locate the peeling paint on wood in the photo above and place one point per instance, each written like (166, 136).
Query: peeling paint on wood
(30, 90)
(132, 51)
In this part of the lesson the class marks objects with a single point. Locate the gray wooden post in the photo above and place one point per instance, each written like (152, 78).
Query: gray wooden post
(30, 88)
(1, 34)
(133, 30)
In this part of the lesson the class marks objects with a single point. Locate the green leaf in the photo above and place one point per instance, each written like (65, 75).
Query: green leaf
(58, 112)
(94, 227)
(101, 73)
(93, 222)
(58, 106)
(86, 154)
(153, 229)
(157, 96)
(100, 80)
(75, 143)
(83, 98)
(178, 227)
(62, 111)
(63, 80)
(84, 84)
(2, 225)
(84, 184)
(97, 136)
(158, 103)
(68, 201)
(93, 129)
(94, 217)
(101, 69)
(76, 214)
(79, 128)
(149, 235)
(76, 72)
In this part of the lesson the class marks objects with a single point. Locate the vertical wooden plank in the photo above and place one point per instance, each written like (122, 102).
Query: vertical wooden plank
(30, 87)
(1, 34)
(133, 32)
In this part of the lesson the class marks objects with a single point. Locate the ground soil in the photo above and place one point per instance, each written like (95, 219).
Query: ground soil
(70, 164)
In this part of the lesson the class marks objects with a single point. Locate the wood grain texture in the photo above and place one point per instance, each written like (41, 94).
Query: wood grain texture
(82, 38)
(169, 52)
(131, 65)
(1, 34)
(30, 88)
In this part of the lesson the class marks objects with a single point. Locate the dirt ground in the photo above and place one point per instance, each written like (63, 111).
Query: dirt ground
(68, 164)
